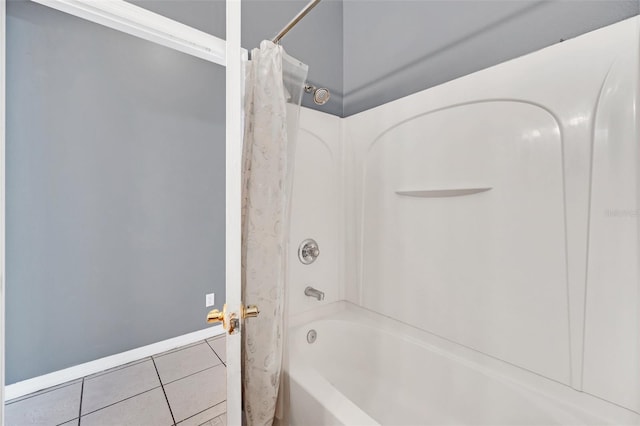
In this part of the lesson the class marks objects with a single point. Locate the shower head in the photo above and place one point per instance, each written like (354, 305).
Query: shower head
(320, 95)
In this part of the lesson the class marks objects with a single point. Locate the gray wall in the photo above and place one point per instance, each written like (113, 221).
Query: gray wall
(395, 48)
(115, 191)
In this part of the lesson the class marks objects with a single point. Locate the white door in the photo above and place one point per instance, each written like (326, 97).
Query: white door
(123, 16)
(234, 128)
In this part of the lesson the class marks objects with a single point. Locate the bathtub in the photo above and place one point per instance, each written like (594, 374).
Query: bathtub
(366, 369)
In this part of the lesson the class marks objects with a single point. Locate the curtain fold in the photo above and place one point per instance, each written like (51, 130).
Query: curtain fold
(273, 92)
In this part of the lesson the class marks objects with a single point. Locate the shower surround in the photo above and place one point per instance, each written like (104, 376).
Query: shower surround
(479, 244)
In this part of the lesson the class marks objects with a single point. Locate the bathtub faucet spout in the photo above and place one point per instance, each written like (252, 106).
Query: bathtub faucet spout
(312, 292)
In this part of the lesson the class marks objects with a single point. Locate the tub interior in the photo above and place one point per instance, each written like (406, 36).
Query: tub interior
(404, 381)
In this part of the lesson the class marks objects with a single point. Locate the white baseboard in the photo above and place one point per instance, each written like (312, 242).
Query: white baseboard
(55, 378)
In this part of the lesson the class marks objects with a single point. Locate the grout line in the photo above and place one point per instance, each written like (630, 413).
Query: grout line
(64, 423)
(214, 351)
(81, 395)
(208, 408)
(192, 374)
(117, 402)
(164, 392)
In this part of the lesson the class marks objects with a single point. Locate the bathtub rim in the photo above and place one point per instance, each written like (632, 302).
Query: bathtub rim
(559, 393)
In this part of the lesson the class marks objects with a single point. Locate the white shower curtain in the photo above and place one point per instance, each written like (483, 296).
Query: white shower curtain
(273, 91)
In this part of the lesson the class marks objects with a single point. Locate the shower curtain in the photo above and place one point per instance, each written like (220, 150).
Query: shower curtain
(273, 91)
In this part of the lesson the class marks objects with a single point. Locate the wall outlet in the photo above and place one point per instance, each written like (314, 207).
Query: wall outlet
(211, 300)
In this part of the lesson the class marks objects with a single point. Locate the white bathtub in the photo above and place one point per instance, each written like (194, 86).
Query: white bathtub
(366, 369)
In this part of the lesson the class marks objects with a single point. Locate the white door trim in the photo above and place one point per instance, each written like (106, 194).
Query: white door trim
(140, 22)
(3, 38)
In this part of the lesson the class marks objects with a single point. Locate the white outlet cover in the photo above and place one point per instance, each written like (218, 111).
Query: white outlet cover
(210, 300)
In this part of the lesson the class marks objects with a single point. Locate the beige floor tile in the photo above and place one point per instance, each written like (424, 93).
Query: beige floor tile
(196, 393)
(149, 408)
(205, 416)
(117, 385)
(179, 364)
(219, 344)
(47, 408)
(220, 420)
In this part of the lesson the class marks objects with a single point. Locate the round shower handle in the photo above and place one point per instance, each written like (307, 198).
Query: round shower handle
(313, 251)
(308, 251)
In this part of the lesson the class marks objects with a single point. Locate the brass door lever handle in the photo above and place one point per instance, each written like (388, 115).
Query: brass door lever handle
(224, 317)
(230, 320)
(250, 311)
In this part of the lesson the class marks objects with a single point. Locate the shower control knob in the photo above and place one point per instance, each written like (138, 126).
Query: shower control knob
(308, 251)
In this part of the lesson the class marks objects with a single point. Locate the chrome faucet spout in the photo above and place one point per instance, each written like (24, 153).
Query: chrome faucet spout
(312, 292)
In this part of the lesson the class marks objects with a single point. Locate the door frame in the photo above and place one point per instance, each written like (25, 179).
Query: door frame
(3, 10)
(142, 23)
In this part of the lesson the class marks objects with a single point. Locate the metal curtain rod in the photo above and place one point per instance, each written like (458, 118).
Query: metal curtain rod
(295, 20)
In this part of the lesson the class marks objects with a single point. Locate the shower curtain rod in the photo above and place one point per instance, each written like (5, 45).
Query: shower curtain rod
(320, 95)
(295, 20)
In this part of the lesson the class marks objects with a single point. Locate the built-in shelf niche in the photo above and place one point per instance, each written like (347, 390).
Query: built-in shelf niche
(442, 193)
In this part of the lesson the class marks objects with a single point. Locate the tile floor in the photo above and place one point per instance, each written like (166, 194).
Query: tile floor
(185, 387)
